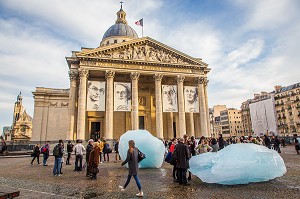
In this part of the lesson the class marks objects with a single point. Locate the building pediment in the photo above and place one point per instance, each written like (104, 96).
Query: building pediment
(142, 50)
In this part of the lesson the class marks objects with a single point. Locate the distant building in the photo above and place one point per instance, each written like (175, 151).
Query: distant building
(231, 123)
(22, 122)
(246, 119)
(215, 121)
(7, 133)
(287, 105)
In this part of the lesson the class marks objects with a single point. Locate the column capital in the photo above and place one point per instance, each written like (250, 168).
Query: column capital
(202, 80)
(180, 78)
(73, 74)
(83, 73)
(135, 76)
(109, 74)
(158, 77)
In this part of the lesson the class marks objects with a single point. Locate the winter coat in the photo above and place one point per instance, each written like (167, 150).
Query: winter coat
(89, 149)
(133, 162)
(215, 147)
(182, 155)
(221, 143)
(94, 157)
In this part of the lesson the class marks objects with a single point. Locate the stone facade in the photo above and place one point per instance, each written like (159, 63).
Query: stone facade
(287, 105)
(146, 65)
(22, 123)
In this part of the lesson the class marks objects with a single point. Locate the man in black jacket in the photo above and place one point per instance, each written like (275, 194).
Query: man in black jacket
(58, 158)
(70, 147)
(182, 155)
(221, 142)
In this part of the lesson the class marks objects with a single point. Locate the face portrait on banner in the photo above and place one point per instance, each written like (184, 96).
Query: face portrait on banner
(122, 97)
(96, 96)
(169, 98)
(191, 99)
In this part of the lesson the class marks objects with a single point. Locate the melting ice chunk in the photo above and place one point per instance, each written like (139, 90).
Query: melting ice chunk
(151, 146)
(238, 164)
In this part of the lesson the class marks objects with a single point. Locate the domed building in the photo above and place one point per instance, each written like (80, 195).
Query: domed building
(126, 83)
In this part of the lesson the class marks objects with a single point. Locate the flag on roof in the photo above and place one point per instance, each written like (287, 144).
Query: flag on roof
(139, 22)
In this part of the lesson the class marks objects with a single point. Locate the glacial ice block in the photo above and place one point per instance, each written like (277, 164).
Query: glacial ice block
(151, 146)
(238, 164)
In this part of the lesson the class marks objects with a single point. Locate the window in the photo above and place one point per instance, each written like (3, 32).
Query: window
(115, 41)
(107, 42)
(124, 40)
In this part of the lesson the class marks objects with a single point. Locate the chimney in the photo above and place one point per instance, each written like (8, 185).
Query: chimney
(277, 88)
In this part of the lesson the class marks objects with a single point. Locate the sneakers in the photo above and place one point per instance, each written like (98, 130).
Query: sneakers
(140, 194)
(122, 188)
(59, 175)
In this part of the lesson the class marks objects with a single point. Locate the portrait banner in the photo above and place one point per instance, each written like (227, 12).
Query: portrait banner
(191, 102)
(95, 96)
(169, 98)
(122, 96)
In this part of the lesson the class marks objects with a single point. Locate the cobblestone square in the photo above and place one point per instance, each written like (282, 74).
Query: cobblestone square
(37, 182)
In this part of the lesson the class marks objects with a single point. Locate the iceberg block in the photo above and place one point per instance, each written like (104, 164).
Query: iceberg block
(152, 147)
(238, 164)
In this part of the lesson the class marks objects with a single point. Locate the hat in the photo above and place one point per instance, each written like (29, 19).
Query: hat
(91, 140)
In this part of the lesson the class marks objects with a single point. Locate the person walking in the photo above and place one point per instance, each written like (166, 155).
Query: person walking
(89, 149)
(133, 165)
(36, 154)
(267, 141)
(116, 149)
(58, 153)
(182, 155)
(46, 152)
(79, 148)
(70, 147)
(94, 161)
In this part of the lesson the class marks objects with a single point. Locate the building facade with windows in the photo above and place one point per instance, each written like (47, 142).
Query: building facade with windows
(231, 123)
(287, 105)
(127, 83)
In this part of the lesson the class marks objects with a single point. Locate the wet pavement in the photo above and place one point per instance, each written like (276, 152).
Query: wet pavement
(37, 182)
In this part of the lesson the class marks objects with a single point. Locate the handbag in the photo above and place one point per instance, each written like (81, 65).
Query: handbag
(94, 169)
(141, 156)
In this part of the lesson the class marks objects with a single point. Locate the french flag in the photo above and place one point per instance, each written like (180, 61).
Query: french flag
(139, 22)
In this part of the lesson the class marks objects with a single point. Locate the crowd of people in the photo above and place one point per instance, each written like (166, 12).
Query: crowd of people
(179, 152)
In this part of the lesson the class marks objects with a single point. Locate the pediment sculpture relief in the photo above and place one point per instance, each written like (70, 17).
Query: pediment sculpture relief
(144, 53)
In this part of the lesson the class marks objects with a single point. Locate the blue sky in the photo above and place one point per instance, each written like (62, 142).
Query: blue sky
(251, 45)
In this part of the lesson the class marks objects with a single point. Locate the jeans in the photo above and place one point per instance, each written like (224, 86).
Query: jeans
(45, 158)
(138, 183)
(182, 176)
(68, 159)
(78, 158)
(57, 165)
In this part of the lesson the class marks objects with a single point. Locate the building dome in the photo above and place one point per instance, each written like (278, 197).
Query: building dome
(120, 29)
(119, 32)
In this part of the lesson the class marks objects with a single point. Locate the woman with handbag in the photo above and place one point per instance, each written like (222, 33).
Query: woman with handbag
(94, 161)
(133, 165)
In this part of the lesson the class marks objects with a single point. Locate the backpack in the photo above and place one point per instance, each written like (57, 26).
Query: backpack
(44, 149)
(107, 148)
(56, 151)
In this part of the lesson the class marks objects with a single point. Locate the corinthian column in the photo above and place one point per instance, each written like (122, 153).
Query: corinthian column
(181, 111)
(135, 105)
(202, 105)
(83, 74)
(191, 124)
(73, 74)
(109, 112)
(158, 109)
(206, 106)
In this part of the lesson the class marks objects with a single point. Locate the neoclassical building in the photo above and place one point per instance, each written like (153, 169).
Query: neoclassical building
(126, 83)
